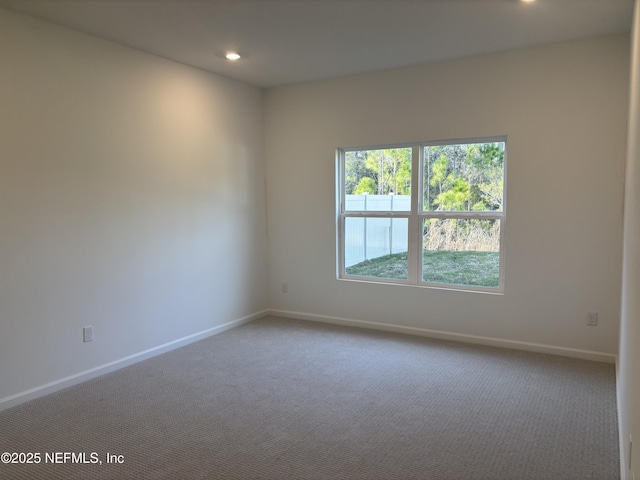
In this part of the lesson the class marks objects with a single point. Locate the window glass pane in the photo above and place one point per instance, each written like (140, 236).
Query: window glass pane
(461, 252)
(466, 177)
(376, 247)
(378, 180)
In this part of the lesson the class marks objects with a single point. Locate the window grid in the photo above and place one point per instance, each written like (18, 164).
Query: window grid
(417, 216)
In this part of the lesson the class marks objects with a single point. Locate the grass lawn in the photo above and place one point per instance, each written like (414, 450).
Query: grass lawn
(479, 269)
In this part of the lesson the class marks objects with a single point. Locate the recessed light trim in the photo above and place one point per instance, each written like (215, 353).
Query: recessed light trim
(233, 56)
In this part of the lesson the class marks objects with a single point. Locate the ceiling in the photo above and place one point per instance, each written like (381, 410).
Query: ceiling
(291, 41)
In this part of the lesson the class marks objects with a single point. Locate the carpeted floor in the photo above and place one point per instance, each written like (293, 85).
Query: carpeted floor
(282, 399)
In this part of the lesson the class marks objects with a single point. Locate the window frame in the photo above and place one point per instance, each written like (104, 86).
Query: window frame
(416, 216)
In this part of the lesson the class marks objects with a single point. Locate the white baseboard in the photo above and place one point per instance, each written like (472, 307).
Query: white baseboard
(71, 380)
(457, 337)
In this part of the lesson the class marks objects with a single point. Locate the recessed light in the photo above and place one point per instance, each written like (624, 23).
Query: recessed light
(233, 56)
(527, 1)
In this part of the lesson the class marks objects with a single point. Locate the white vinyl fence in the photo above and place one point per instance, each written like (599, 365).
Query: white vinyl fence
(369, 238)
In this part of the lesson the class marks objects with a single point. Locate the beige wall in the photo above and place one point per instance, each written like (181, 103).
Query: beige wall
(131, 199)
(563, 108)
(629, 357)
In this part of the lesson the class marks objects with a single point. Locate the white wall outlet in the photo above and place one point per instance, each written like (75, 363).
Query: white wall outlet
(87, 334)
(285, 287)
(592, 319)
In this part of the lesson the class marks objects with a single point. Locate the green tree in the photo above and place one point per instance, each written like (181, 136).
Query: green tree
(391, 170)
(456, 197)
(439, 172)
(464, 177)
(355, 169)
(366, 185)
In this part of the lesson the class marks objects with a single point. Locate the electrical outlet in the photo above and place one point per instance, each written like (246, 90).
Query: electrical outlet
(87, 334)
(592, 319)
(285, 287)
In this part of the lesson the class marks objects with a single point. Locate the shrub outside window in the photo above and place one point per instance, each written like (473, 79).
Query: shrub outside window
(428, 214)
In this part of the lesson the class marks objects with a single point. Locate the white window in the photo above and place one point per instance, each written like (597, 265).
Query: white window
(429, 214)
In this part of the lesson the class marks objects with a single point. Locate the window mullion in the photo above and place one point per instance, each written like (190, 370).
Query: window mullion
(414, 221)
(340, 193)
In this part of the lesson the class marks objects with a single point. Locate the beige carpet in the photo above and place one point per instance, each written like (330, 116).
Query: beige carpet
(282, 399)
